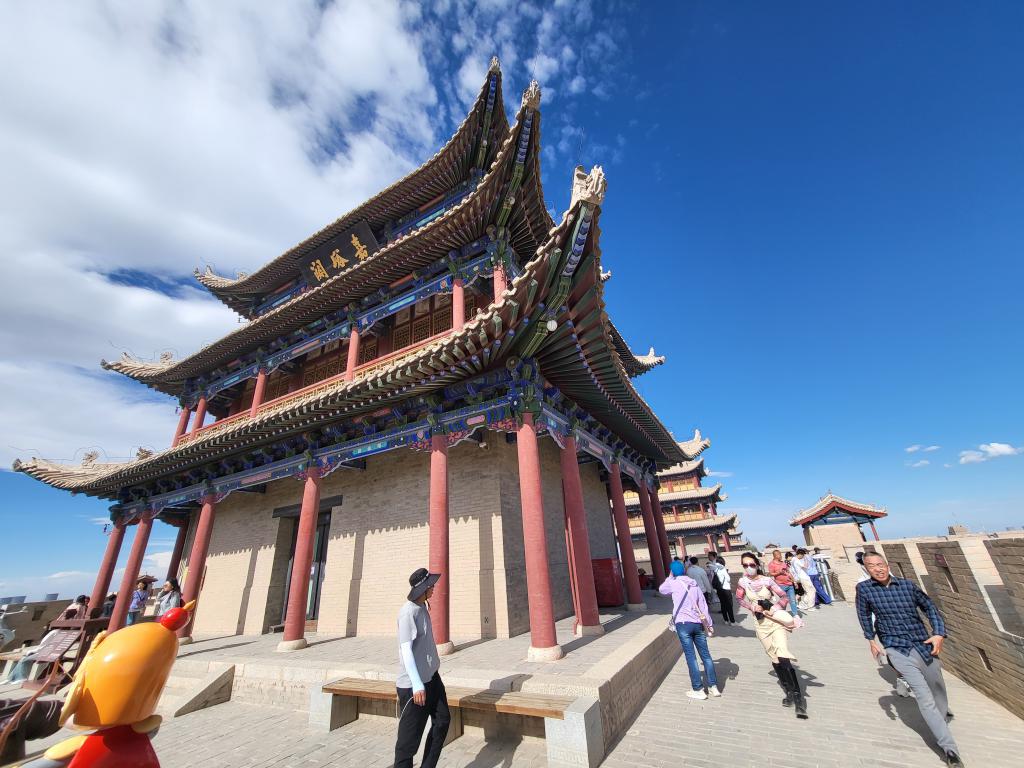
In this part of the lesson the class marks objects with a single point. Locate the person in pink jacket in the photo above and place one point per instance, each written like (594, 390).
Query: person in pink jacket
(692, 623)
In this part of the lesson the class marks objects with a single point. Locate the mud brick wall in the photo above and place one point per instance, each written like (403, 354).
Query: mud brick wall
(1008, 557)
(977, 650)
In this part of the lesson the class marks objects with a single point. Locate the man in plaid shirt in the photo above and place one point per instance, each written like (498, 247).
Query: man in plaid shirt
(888, 607)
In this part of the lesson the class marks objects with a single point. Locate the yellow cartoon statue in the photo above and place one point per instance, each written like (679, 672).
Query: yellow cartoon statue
(115, 691)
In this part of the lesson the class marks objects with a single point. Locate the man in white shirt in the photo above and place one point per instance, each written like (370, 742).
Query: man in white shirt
(721, 582)
(421, 693)
(800, 576)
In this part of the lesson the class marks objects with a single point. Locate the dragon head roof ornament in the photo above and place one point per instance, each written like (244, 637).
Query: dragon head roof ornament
(89, 458)
(588, 187)
(531, 96)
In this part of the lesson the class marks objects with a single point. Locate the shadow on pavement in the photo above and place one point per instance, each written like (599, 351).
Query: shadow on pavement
(725, 670)
(899, 708)
(495, 754)
(200, 651)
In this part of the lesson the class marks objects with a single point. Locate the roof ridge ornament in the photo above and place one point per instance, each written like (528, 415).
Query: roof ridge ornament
(589, 187)
(531, 96)
(495, 65)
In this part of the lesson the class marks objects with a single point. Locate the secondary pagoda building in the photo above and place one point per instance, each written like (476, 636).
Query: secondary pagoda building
(432, 378)
(689, 509)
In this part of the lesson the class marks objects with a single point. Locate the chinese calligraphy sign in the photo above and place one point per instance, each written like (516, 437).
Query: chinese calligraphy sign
(339, 254)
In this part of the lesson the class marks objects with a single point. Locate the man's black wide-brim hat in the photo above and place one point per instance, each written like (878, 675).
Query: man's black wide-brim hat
(420, 581)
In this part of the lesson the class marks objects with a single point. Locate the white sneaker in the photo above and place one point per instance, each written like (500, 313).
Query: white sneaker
(715, 693)
(696, 694)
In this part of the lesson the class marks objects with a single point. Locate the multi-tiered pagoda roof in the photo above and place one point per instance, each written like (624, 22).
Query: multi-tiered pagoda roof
(481, 194)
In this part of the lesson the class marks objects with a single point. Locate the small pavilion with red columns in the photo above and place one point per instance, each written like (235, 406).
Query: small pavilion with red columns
(834, 522)
(433, 378)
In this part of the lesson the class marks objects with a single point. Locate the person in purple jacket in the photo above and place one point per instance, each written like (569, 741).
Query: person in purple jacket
(690, 616)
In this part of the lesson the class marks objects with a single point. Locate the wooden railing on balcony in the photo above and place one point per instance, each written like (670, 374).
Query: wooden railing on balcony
(361, 372)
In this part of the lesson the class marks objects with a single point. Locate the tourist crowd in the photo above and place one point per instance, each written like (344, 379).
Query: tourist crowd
(781, 592)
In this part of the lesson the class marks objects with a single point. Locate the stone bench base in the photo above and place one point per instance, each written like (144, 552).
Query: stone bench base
(577, 739)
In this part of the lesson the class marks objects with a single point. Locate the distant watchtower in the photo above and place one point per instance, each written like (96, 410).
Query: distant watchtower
(835, 521)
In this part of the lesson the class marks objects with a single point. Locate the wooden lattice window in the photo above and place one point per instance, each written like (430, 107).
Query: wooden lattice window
(470, 305)
(401, 337)
(420, 329)
(368, 351)
(442, 321)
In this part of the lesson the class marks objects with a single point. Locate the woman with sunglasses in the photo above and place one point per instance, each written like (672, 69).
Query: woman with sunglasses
(767, 602)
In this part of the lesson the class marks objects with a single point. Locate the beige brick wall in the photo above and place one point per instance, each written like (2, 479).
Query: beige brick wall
(835, 536)
(240, 561)
(379, 534)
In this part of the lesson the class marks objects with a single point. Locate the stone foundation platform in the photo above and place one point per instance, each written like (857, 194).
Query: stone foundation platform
(619, 669)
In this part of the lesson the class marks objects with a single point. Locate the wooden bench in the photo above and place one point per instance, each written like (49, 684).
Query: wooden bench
(572, 726)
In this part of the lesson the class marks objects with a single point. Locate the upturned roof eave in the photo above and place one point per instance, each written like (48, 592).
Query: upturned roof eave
(604, 377)
(352, 398)
(829, 502)
(169, 378)
(234, 291)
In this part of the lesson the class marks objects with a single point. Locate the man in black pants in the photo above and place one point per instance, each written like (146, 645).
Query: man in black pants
(722, 584)
(421, 693)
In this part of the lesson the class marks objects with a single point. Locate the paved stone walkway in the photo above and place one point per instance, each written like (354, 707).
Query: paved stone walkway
(856, 719)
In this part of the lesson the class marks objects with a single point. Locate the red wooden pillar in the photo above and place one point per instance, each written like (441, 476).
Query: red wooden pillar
(200, 414)
(183, 418)
(651, 533)
(587, 618)
(298, 594)
(634, 598)
(438, 555)
(500, 281)
(725, 541)
(874, 530)
(458, 306)
(106, 572)
(179, 546)
(714, 508)
(353, 354)
(197, 559)
(659, 523)
(131, 574)
(681, 547)
(543, 643)
(259, 392)
(711, 541)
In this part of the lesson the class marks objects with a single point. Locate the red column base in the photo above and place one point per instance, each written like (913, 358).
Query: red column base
(553, 653)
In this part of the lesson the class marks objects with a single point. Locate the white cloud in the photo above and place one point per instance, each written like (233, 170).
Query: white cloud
(719, 473)
(988, 451)
(912, 448)
(931, 448)
(218, 134)
(67, 575)
(156, 563)
(920, 463)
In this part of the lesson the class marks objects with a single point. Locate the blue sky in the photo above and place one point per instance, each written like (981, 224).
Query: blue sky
(816, 213)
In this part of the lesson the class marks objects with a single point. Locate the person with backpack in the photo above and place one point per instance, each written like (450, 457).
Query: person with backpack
(721, 582)
(692, 623)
